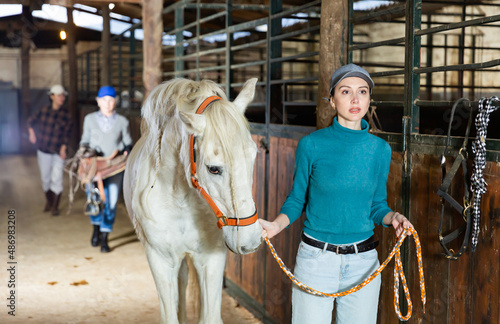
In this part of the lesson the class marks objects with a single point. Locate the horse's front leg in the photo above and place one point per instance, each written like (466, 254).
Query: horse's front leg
(210, 268)
(165, 270)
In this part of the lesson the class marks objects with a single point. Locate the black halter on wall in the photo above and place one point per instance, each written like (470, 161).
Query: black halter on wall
(470, 210)
(465, 210)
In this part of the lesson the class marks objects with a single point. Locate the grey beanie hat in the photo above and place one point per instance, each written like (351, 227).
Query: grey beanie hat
(350, 70)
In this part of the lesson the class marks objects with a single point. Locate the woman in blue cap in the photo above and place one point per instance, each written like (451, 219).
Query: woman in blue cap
(340, 181)
(108, 134)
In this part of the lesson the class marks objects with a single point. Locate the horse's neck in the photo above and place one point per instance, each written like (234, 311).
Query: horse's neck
(169, 166)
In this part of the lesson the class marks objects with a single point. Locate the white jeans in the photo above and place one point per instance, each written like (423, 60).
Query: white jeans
(51, 169)
(330, 273)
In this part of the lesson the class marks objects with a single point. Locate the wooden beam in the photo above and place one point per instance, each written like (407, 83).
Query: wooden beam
(106, 47)
(27, 19)
(101, 2)
(22, 2)
(129, 10)
(332, 53)
(152, 44)
(73, 77)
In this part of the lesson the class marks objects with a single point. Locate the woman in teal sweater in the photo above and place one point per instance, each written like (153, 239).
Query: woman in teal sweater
(340, 181)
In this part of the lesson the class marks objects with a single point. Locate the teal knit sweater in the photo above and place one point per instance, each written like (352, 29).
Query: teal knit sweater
(340, 180)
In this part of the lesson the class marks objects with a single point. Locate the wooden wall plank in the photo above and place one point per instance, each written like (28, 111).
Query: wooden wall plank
(253, 265)
(486, 285)
(386, 238)
(455, 292)
(278, 292)
(425, 209)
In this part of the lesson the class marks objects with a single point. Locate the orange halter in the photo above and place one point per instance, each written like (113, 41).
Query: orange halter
(222, 219)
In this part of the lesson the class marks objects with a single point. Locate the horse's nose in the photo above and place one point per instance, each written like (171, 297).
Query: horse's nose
(246, 250)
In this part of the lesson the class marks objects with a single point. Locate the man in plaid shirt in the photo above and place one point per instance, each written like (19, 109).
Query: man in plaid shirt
(50, 129)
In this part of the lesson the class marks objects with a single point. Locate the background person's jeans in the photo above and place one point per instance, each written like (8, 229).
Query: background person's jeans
(51, 171)
(332, 273)
(106, 217)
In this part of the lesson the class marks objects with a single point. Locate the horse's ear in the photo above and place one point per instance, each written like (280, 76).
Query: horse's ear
(246, 95)
(194, 123)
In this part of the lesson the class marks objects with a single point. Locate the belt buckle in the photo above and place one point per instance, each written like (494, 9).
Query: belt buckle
(337, 250)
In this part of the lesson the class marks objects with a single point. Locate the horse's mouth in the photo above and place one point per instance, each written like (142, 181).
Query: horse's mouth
(243, 250)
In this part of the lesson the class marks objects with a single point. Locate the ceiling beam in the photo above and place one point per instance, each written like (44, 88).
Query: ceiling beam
(22, 2)
(115, 2)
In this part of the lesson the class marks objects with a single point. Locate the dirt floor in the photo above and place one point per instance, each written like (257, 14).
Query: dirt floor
(58, 277)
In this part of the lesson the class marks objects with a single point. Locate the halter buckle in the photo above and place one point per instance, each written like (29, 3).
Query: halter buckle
(463, 149)
(223, 220)
(467, 206)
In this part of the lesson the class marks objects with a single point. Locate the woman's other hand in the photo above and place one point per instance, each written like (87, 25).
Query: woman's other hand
(398, 221)
(271, 229)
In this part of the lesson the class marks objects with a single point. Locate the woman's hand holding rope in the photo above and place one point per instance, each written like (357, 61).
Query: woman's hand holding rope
(398, 221)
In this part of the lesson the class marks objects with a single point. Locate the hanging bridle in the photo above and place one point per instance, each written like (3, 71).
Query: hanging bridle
(465, 210)
(223, 220)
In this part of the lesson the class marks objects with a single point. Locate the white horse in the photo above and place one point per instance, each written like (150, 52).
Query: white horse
(186, 165)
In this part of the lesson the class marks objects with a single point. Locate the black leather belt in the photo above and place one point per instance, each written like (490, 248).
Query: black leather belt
(366, 245)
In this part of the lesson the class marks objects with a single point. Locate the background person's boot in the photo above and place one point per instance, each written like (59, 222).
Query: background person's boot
(104, 242)
(49, 196)
(55, 205)
(95, 241)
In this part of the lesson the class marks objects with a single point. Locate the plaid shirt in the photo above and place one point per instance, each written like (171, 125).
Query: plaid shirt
(52, 128)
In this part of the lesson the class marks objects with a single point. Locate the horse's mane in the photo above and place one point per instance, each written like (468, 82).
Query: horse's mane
(161, 113)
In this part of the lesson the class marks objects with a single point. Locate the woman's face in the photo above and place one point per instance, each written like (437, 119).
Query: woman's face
(58, 99)
(351, 99)
(106, 105)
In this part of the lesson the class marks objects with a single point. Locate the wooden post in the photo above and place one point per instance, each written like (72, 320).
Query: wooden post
(152, 44)
(332, 53)
(73, 85)
(25, 76)
(106, 48)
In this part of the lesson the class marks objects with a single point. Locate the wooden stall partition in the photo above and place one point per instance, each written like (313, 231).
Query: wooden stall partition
(465, 290)
(278, 290)
(253, 265)
(247, 272)
(386, 239)
(425, 208)
(485, 268)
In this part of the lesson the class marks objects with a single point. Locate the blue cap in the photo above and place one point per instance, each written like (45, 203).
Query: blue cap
(106, 91)
(347, 71)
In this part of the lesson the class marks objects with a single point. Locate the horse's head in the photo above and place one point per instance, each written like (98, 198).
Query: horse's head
(222, 156)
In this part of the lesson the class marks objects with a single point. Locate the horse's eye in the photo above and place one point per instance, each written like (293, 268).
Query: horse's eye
(214, 170)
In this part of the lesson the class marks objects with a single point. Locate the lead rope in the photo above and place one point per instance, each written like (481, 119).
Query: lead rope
(478, 184)
(398, 272)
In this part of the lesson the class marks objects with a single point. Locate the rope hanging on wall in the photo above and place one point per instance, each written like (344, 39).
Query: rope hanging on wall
(478, 184)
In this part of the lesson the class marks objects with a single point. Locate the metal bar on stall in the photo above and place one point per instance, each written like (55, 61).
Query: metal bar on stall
(462, 24)
(350, 32)
(131, 69)
(458, 67)
(375, 14)
(393, 42)
(411, 113)
(294, 57)
(198, 22)
(179, 38)
(229, 53)
(195, 23)
(296, 33)
(120, 70)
